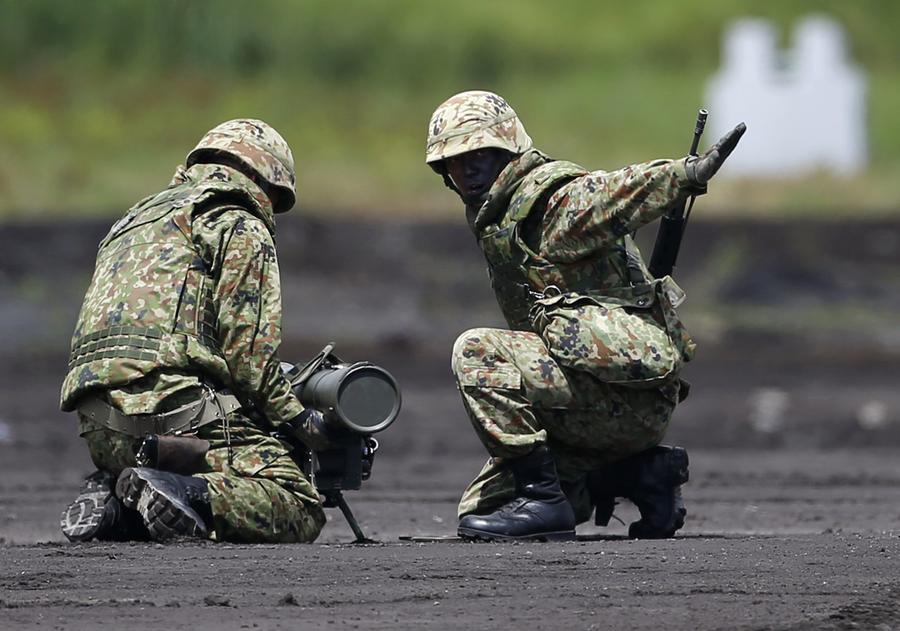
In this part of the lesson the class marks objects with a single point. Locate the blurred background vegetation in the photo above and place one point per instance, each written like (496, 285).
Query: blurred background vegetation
(100, 99)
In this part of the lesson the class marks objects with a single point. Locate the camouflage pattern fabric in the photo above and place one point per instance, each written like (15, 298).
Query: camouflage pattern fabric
(261, 496)
(594, 212)
(615, 342)
(474, 120)
(258, 146)
(591, 365)
(185, 290)
(185, 296)
(517, 395)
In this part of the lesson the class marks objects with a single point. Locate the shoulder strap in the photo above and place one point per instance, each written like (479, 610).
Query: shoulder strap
(155, 208)
(537, 182)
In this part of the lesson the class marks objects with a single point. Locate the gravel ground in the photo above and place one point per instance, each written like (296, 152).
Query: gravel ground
(793, 429)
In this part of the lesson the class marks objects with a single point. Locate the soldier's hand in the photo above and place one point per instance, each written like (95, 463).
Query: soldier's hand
(700, 169)
(313, 429)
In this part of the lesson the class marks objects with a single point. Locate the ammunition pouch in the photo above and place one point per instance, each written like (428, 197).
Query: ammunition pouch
(211, 407)
(619, 335)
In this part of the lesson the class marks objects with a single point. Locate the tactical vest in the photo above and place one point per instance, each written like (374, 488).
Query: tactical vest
(150, 303)
(519, 277)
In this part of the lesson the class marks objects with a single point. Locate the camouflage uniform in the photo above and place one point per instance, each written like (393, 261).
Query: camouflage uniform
(590, 366)
(186, 297)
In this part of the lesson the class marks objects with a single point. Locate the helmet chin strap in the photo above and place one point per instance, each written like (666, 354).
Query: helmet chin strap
(449, 184)
(441, 169)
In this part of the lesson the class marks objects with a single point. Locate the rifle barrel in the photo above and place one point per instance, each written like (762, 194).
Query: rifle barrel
(698, 130)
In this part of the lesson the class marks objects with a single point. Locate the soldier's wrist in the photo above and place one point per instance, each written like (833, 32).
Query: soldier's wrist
(690, 178)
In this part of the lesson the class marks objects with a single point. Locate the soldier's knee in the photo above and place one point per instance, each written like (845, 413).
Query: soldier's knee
(470, 347)
(307, 527)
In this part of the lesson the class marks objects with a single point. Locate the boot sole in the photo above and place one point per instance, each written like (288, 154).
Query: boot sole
(472, 534)
(82, 519)
(164, 516)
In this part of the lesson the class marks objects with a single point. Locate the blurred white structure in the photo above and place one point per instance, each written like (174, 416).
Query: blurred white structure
(805, 108)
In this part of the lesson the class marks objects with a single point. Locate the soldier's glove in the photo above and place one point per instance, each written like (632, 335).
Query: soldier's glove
(312, 428)
(317, 432)
(700, 169)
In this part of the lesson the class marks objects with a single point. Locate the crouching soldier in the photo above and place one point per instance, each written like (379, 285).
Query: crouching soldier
(174, 360)
(573, 400)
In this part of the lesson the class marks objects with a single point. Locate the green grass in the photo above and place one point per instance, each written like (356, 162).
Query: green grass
(100, 99)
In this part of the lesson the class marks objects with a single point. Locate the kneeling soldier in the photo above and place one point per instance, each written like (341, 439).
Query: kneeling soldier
(573, 401)
(177, 340)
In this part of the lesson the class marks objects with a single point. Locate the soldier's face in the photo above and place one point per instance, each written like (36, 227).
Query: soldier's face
(474, 172)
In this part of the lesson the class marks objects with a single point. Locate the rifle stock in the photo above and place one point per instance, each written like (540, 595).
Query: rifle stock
(668, 242)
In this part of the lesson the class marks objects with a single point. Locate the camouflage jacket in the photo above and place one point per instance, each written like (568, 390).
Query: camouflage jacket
(185, 291)
(551, 227)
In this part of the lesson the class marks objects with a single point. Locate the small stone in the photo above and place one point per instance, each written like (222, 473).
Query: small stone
(288, 600)
(215, 600)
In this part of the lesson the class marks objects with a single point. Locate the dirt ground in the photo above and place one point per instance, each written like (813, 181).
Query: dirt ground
(793, 428)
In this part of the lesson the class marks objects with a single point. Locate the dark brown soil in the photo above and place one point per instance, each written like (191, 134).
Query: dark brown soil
(793, 428)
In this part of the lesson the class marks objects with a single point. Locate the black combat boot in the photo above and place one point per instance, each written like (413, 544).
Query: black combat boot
(98, 514)
(170, 504)
(651, 480)
(540, 510)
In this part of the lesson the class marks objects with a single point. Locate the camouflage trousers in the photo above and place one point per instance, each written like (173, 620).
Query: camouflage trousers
(518, 395)
(257, 492)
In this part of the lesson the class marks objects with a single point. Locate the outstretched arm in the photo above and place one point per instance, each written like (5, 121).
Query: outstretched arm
(594, 211)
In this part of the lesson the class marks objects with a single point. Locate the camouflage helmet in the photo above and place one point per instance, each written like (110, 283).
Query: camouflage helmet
(474, 120)
(256, 145)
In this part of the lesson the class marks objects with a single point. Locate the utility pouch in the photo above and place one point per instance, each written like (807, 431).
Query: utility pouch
(617, 336)
(176, 454)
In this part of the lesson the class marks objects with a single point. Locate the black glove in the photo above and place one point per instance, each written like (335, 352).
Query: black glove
(700, 169)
